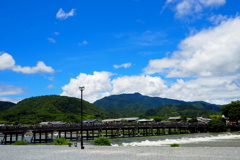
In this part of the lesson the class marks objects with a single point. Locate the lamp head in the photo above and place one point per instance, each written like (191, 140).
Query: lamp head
(81, 88)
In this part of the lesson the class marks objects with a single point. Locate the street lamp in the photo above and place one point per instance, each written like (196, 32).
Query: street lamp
(81, 89)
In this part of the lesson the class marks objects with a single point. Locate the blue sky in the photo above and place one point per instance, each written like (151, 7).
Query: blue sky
(180, 49)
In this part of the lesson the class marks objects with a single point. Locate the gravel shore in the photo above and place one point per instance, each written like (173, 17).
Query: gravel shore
(51, 152)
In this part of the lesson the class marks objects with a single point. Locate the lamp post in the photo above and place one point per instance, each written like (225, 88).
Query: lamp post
(81, 89)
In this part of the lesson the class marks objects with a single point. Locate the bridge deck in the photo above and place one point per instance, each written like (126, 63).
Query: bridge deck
(46, 133)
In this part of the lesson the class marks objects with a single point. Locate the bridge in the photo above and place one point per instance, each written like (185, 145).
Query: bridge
(47, 133)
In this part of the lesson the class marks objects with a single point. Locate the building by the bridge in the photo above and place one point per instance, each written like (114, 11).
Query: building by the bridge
(52, 123)
(145, 120)
(199, 119)
(91, 121)
(118, 120)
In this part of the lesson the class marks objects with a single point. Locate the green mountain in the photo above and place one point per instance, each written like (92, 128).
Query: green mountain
(51, 108)
(179, 110)
(125, 105)
(5, 105)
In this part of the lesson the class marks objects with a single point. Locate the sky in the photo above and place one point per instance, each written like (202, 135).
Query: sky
(179, 49)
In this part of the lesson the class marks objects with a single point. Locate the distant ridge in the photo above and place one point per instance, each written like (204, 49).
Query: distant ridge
(5, 105)
(137, 103)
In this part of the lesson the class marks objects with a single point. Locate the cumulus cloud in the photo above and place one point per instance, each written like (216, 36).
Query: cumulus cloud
(190, 7)
(218, 90)
(100, 85)
(7, 62)
(211, 52)
(125, 65)
(208, 62)
(96, 86)
(144, 84)
(41, 67)
(61, 14)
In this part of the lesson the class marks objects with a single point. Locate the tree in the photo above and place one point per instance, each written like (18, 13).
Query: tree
(232, 111)
(184, 118)
(216, 125)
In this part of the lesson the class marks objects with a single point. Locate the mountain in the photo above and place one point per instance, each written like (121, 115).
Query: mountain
(135, 104)
(5, 105)
(51, 108)
(178, 110)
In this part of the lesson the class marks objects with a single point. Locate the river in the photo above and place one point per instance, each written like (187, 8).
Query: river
(184, 140)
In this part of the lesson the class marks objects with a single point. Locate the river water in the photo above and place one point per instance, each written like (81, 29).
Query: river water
(184, 140)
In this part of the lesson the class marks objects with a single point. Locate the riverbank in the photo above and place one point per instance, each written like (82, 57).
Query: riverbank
(44, 152)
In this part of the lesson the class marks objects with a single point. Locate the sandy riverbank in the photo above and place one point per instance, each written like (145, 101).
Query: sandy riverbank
(51, 152)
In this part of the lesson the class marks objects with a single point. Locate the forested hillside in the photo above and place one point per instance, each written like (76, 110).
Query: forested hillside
(67, 109)
(5, 105)
(134, 104)
(51, 108)
(179, 110)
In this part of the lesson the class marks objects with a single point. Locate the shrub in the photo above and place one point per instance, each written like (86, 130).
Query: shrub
(216, 125)
(20, 143)
(61, 141)
(102, 141)
(175, 145)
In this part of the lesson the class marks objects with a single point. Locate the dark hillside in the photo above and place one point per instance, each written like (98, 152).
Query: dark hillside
(51, 108)
(128, 101)
(5, 105)
(179, 110)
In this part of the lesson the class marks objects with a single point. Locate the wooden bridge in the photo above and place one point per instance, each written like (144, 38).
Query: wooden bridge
(47, 133)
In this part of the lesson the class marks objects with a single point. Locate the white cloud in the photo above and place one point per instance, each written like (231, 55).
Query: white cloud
(7, 62)
(61, 14)
(148, 38)
(50, 86)
(209, 59)
(125, 65)
(96, 86)
(7, 99)
(100, 85)
(10, 90)
(192, 7)
(212, 58)
(56, 33)
(212, 3)
(217, 19)
(51, 40)
(144, 84)
(218, 90)
(41, 67)
(211, 52)
(83, 43)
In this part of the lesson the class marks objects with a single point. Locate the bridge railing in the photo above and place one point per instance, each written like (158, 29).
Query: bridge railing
(99, 125)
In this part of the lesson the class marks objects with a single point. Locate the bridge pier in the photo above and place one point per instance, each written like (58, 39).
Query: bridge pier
(11, 137)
